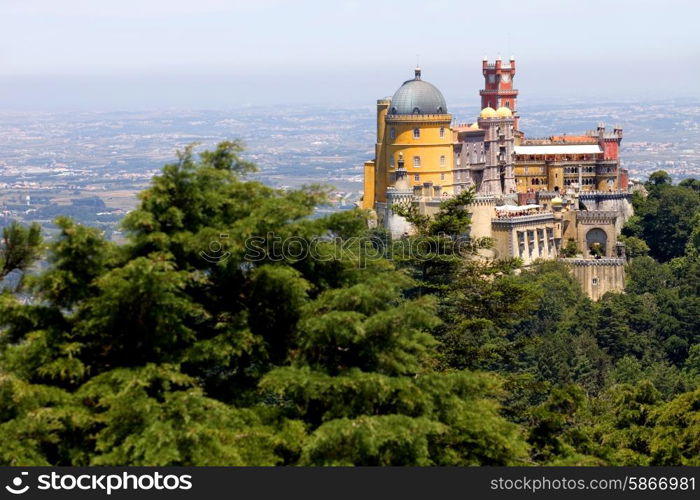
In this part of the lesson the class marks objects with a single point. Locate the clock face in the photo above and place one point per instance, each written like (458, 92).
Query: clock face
(505, 78)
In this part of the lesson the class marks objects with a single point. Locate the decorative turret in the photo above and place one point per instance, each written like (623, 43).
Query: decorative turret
(402, 183)
(498, 88)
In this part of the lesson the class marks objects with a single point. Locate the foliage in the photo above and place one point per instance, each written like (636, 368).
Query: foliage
(634, 247)
(19, 247)
(664, 219)
(659, 178)
(438, 249)
(200, 343)
(213, 338)
(596, 250)
(570, 249)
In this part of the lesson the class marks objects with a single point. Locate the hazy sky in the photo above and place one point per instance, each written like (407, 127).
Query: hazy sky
(221, 53)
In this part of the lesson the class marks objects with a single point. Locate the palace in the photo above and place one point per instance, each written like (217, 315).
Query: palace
(533, 196)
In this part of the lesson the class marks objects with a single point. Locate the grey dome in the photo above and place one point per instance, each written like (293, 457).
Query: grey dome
(416, 97)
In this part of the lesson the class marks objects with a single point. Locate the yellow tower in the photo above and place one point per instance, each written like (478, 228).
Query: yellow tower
(413, 124)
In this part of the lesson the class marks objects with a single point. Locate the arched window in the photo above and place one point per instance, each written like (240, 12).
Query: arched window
(416, 133)
(392, 133)
(416, 111)
(442, 161)
(442, 132)
(416, 161)
(416, 177)
(391, 162)
(596, 242)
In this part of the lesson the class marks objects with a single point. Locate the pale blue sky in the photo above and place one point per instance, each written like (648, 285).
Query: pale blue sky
(203, 53)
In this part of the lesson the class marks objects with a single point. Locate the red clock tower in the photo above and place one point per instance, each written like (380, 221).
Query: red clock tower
(498, 86)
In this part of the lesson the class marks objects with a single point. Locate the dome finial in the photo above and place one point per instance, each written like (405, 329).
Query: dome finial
(417, 72)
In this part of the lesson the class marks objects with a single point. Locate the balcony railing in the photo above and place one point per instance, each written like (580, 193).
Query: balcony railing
(419, 117)
(522, 219)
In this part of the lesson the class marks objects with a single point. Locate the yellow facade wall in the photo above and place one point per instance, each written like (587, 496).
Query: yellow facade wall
(435, 150)
(368, 196)
(525, 176)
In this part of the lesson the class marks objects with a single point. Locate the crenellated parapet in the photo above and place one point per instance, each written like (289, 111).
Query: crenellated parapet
(596, 216)
(619, 202)
(485, 200)
(605, 195)
(594, 262)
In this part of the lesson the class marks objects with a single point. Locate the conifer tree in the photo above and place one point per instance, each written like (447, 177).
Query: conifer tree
(199, 342)
(19, 247)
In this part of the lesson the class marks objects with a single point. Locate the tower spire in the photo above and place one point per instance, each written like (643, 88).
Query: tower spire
(498, 88)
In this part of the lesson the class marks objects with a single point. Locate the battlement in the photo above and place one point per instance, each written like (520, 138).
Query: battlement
(594, 262)
(498, 63)
(596, 215)
(604, 195)
(485, 199)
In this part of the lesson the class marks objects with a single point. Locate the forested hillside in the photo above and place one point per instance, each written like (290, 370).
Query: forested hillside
(199, 342)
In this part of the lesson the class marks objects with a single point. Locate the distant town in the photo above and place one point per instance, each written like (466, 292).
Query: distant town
(91, 166)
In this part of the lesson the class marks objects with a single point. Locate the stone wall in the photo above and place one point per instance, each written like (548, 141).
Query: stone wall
(483, 211)
(619, 202)
(591, 220)
(598, 276)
